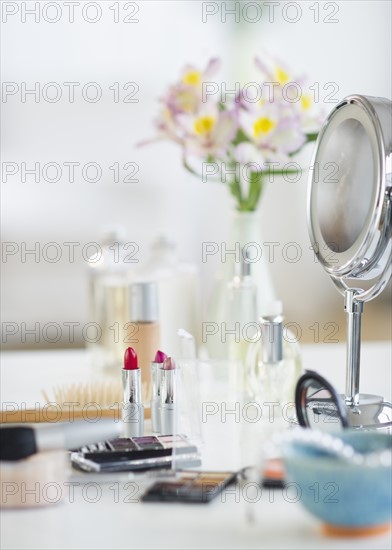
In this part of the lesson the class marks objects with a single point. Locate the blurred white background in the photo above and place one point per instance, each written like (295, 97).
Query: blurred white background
(354, 52)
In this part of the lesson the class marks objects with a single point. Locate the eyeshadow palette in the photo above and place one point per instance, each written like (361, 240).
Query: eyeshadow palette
(136, 453)
(192, 487)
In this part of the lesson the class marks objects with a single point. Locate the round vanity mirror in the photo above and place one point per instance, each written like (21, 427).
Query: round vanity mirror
(350, 222)
(349, 210)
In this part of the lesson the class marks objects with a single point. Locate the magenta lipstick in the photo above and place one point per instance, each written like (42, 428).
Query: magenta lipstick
(132, 411)
(168, 374)
(156, 368)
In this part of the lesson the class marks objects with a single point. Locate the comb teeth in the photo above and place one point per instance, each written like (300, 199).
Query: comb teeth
(104, 393)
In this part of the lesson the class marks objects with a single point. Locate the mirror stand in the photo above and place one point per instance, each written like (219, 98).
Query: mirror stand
(363, 410)
(353, 310)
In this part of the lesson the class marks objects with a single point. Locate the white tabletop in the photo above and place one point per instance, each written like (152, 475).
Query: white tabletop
(111, 522)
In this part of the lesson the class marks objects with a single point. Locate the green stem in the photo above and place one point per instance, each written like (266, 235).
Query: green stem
(194, 173)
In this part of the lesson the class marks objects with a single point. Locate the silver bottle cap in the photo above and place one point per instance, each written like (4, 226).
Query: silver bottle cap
(245, 263)
(143, 302)
(272, 334)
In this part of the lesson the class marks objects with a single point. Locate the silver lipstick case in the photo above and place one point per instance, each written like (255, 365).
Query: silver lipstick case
(132, 411)
(156, 370)
(168, 401)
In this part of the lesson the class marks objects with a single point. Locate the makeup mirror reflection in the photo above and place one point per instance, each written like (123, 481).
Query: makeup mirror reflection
(344, 192)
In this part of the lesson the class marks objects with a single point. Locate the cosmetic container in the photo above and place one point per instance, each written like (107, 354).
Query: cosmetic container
(273, 362)
(242, 325)
(132, 410)
(144, 329)
(179, 292)
(109, 272)
(168, 397)
(156, 370)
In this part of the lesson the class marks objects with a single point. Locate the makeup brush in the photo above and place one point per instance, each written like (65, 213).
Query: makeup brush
(21, 441)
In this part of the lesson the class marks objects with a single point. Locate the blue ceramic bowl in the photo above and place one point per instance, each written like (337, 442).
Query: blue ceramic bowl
(345, 496)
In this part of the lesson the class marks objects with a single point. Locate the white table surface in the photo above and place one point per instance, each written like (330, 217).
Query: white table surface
(110, 522)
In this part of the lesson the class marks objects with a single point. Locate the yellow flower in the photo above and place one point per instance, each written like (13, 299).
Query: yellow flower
(306, 102)
(204, 125)
(281, 76)
(192, 78)
(263, 126)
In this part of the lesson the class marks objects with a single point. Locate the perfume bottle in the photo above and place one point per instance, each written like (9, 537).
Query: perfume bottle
(108, 280)
(242, 311)
(273, 363)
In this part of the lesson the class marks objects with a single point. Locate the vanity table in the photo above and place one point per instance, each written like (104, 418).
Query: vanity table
(104, 512)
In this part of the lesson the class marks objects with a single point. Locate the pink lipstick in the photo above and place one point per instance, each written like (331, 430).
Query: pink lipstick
(168, 396)
(156, 367)
(132, 411)
(160, 356)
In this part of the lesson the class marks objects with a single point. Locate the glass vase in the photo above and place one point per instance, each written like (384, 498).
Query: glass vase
(244, 237)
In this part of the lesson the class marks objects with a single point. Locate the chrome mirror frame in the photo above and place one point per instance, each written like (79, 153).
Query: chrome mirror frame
(366, 254)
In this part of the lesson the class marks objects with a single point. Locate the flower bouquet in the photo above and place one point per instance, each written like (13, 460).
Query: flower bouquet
(242, 135)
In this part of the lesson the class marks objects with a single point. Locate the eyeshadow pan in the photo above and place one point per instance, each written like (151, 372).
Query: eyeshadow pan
(218, 476)
(169, 441)
(170, 438)
(148, 443)
(122, 444)
(197, 487)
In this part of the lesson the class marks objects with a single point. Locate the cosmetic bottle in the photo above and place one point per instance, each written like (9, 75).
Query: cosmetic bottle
(179, 292)
(143, 328)
(242, 313)
(273, 362)
(109, 273)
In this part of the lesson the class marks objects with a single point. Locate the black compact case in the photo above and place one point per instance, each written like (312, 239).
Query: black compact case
(137, 454)
(192, 487)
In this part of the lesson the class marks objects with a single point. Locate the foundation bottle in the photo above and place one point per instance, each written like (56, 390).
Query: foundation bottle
(143, 332)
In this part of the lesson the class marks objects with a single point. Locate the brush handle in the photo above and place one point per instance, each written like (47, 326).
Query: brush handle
(21, 441)
(17, 443)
